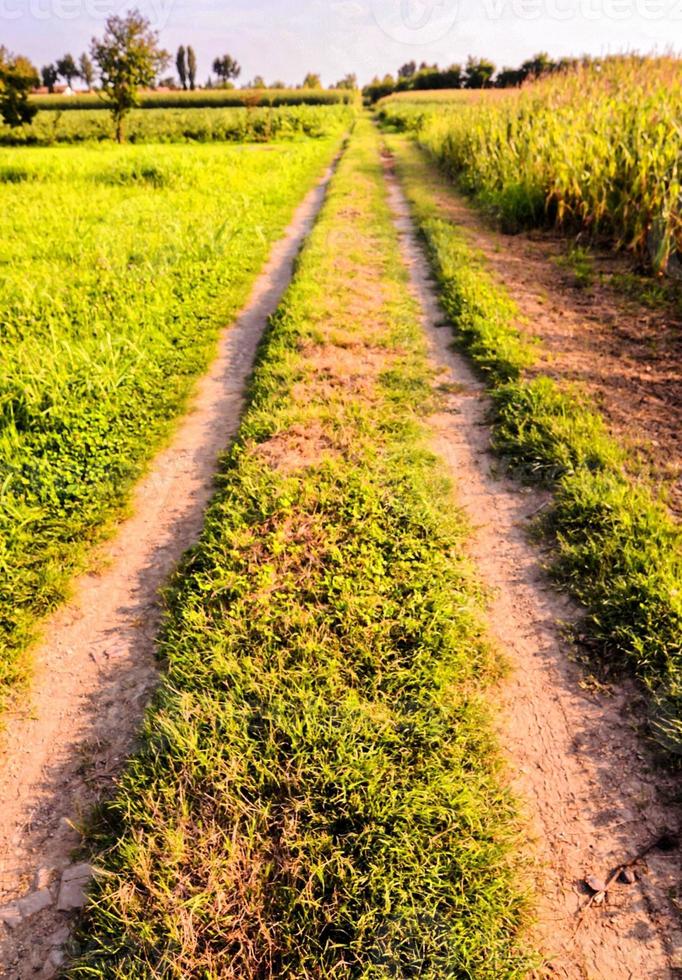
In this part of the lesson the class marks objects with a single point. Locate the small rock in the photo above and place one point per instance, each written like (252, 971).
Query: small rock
(10, 915)
(43, 878)
(72, 890)
(56, 957)
(627, 876)
(35, 902)
(595, 883)
(76, 872)
(59, 937)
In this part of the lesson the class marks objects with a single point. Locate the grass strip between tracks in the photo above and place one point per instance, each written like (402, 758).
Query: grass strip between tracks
(318, 793)
(617, 549)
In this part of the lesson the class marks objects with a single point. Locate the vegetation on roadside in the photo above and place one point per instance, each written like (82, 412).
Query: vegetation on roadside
(317, 794)
(185, 125)
(118, 268)
(617, 549)
(595, 149)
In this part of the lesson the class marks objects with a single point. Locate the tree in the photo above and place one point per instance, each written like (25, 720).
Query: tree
(181, 66)
(258, 82)
(278, 84)
(86, 70)
(17, 77)
(407, 70)
(539, 64)
(349, 81)
(509, 77)
(312, 81)
(50, 76)
(67, 68)
(227, 68)
(128, 57)
(191, 67)
(478, 73)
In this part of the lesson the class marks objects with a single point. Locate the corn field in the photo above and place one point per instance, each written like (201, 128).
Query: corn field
(595, 149)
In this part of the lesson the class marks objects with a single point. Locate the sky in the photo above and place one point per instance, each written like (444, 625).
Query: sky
(285, 39)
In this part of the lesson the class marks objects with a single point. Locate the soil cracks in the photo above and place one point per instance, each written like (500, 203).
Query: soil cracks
(573, 756)
(95, 669)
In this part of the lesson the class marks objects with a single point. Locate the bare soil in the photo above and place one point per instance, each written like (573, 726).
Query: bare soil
(585, 779)
(625, 354)
(95, 669)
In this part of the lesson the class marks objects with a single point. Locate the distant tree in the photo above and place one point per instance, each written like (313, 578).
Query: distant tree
(181, 66)
(312, 81)
(349, 81)
(86, 71)
(509, 77)
(258, 82)
(478, 73)
(434, 78)
(191, 67)
(407, 70)
(278, 84)
(453, 77)
(50, 76)
(226, 68)
(17, 77)
(128, 57)
(539, 64)
(378, 88)
(67, 68)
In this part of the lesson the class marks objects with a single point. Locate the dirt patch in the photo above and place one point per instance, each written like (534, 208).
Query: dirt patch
(627, 356)
(297, 448)
(96, 668)
(344, 367)
(592, 795)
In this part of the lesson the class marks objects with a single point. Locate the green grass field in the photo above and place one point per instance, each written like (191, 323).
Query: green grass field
(183, 125)
(118, 266)
(318, 793)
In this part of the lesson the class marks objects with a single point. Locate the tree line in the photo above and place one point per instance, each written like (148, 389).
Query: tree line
(477, 73)
(126, 59)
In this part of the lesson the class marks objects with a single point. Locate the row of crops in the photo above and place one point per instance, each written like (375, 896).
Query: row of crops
(183, 125)
(597, 149)
(206, 99)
